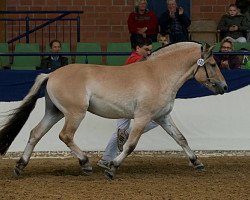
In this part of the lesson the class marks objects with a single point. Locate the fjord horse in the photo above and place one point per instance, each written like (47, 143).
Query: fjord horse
(143, 91)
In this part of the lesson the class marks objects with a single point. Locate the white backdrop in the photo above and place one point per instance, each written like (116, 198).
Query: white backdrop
(219, 122)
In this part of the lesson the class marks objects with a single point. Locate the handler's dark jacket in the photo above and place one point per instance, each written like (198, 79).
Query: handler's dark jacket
(49, 63)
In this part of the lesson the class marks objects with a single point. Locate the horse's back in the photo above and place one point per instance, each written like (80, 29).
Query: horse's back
(99, 75)
(107, 91)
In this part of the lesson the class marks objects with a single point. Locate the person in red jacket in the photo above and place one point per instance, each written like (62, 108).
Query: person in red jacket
(142, 21)
(141, 49)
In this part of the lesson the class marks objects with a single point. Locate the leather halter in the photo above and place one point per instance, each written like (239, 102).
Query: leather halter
(201, 63)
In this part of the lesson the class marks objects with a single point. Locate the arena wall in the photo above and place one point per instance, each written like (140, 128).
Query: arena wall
(218, 122)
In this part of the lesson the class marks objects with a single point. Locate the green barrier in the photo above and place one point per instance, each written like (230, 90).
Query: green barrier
(247, 66)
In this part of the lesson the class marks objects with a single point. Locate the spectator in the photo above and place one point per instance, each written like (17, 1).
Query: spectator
(54, 62)
(141, 50)
(174, 22)
(233, 25)
(226, 61)
(142, 21)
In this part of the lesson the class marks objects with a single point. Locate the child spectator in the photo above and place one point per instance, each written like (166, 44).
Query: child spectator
(233, 25)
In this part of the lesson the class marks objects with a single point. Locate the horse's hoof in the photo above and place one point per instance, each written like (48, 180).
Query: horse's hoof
(20, 165)
(87, 169)
(200, 168)
(87, 172)
(109, 175)
(197, 164)
(17, 172)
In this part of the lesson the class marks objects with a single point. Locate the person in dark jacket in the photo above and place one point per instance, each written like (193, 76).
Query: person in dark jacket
(54, 62)
(175, 23)
(227, 61)
(233, 24)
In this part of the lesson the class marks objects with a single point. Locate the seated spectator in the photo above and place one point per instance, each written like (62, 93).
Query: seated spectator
(54, 62)
(142, 21)
(227, 61)
(233, 25)
(174, 22)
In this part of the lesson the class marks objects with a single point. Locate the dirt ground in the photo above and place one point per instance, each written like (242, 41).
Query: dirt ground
(164, 177)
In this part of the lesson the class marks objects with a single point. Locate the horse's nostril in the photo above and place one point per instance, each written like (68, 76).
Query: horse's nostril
(225, 88)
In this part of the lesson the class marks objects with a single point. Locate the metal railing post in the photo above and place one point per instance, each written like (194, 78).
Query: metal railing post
(86, 60)
(78, 28)
(48, 21)
(27, 20)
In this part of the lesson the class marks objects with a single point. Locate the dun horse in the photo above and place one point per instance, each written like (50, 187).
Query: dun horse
(143, 91)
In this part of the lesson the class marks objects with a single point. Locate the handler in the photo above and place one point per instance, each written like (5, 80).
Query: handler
(141, 50)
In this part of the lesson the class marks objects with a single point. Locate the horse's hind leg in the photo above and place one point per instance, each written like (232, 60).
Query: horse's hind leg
(169, 126)
(72, 121)
(52, 116)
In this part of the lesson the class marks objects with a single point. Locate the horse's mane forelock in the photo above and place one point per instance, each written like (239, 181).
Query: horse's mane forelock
(169, 47)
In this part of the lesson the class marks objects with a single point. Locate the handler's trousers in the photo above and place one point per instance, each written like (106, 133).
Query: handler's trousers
(111, 150)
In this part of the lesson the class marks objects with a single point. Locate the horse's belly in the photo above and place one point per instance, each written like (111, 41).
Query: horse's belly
(111, 110)
(164, 111)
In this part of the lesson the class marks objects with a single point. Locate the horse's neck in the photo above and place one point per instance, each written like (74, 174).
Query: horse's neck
(178, 69)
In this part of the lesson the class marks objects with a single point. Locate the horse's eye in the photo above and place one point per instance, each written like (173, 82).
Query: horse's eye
(213, 65)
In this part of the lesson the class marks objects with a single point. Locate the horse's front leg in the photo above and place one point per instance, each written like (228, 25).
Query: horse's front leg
(128, 147)
(167, 123)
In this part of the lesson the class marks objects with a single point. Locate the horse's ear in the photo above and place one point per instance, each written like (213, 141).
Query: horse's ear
(211, 48)
(207, 50)
(204, 47)
(203, 50)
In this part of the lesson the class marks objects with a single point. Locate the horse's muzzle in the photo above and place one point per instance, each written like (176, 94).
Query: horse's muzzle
(221, 87)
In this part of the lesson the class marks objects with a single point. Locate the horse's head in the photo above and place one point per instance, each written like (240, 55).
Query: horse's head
(209, 74)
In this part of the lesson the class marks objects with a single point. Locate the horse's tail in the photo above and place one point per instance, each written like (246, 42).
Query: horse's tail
(16, 120)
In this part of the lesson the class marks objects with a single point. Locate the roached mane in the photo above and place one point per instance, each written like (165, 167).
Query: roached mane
(170, 47)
